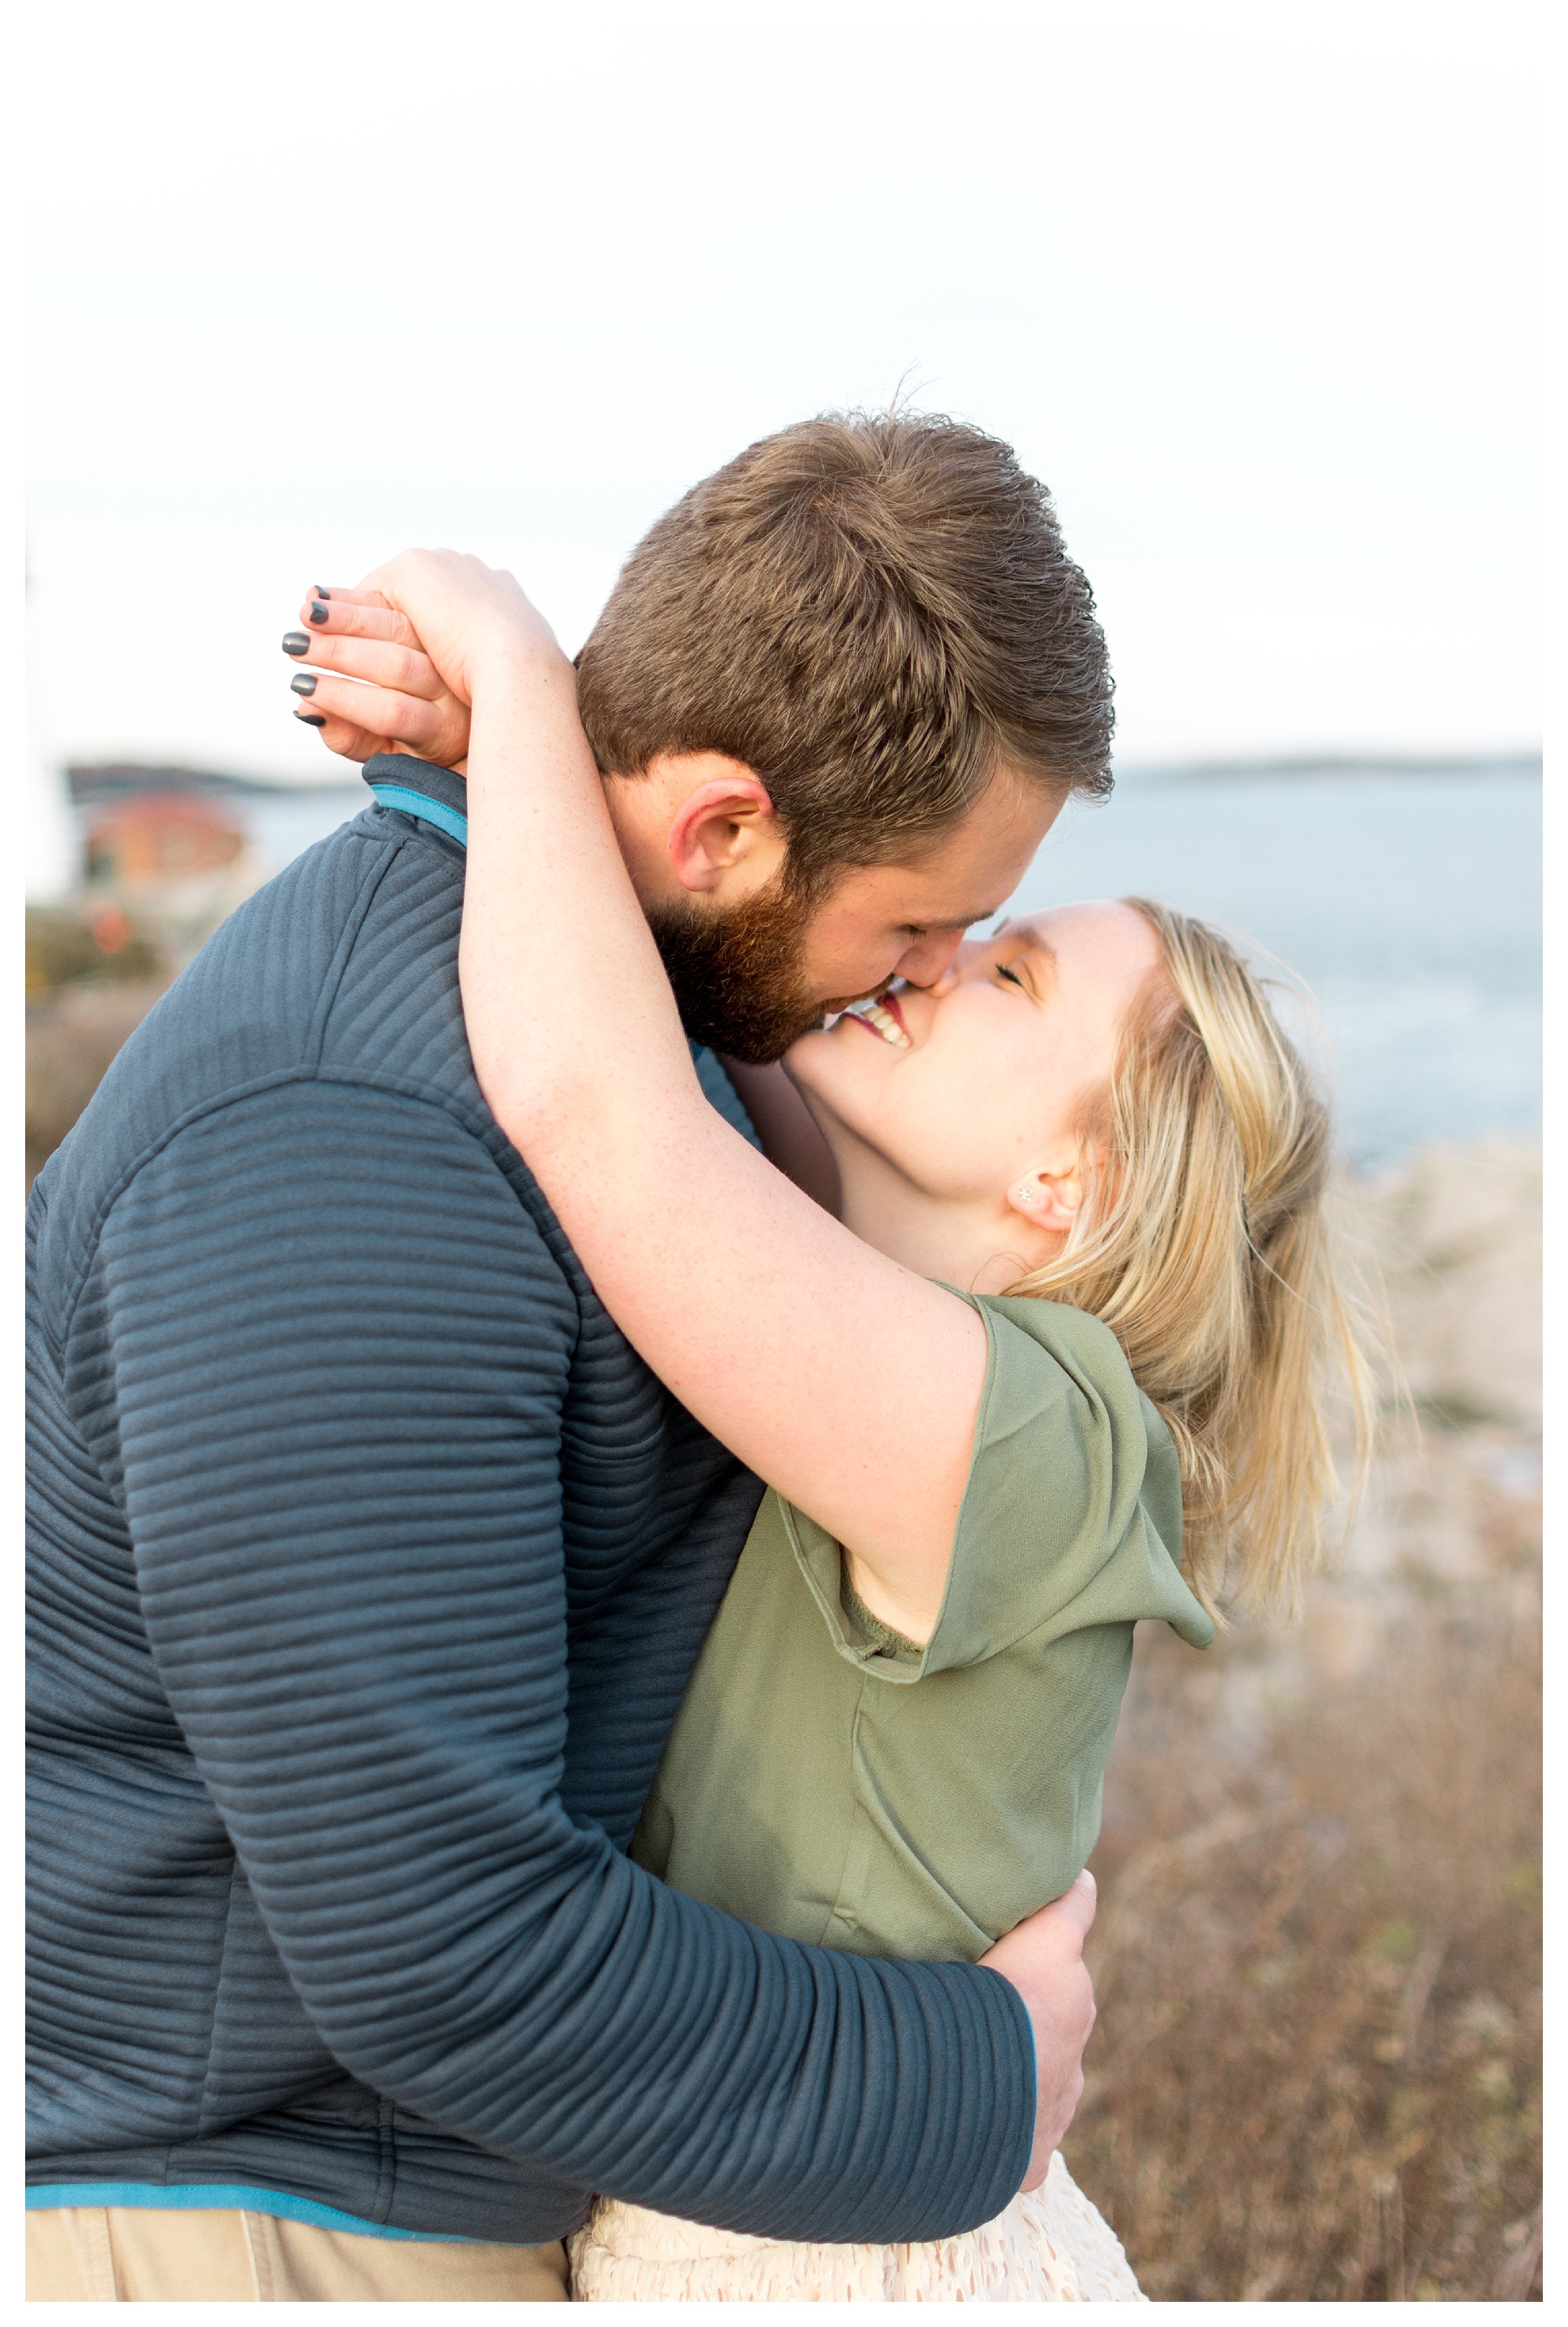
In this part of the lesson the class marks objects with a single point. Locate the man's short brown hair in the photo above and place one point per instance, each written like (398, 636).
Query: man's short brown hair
(872, 612)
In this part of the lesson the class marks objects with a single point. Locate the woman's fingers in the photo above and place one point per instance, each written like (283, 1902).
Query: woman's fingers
(436, 731)
(360, 595)
(365, 617)
(367, 685)
(402, 668)
(349, 743)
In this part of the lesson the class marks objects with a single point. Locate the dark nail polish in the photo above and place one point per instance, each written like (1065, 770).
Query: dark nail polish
(311, 718)
(304, 682)
(296, 642)
(318, 610)
(317, 590)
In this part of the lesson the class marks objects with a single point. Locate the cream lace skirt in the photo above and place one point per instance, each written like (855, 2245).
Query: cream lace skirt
(1049, 2246)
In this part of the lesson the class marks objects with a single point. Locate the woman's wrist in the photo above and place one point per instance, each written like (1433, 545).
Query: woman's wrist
(508, 658)
(526, 741)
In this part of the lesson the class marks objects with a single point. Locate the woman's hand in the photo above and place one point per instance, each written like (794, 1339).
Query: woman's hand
(469, 617)
(389, 698)
(411, 643)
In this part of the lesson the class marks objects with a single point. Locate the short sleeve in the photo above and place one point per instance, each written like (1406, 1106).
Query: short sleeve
(1072, 1511)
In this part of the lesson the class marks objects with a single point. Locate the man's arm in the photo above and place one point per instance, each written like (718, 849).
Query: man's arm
(340, 1348)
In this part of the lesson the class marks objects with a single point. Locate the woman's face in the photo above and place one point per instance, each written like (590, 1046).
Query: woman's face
(960, 1088)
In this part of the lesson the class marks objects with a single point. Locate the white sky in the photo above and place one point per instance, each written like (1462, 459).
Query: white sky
(1251, 289)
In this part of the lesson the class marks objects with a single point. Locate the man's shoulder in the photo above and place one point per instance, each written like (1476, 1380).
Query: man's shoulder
(343, 969)
(346, 962)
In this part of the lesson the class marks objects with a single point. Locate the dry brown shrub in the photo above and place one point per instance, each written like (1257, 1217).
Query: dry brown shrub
(94, 940)
(1316, 2072)
(71, 1037)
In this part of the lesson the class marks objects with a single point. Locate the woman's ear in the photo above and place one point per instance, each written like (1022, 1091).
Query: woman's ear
(1049, 1199)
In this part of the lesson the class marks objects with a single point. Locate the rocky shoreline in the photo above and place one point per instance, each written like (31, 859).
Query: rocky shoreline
(1316, 2075)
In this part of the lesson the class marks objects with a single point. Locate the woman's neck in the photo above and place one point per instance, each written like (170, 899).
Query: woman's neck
(982, 1246)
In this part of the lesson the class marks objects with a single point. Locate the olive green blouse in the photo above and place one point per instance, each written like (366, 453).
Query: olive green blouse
(831, 1781)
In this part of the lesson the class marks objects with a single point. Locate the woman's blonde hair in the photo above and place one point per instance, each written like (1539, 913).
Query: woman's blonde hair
(1202, 1244)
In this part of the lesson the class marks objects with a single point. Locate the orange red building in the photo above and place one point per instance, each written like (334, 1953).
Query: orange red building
(156, 837)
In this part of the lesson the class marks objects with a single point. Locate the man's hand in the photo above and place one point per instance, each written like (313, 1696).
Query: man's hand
(1044, 1959)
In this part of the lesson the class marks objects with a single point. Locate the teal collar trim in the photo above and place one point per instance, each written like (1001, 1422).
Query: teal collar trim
(429, 811)
(202, 2197)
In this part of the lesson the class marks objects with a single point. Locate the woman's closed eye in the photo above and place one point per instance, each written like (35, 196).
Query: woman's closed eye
(1011, 977)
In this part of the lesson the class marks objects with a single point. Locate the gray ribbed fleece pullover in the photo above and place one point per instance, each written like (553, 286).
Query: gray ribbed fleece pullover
(368, 1566)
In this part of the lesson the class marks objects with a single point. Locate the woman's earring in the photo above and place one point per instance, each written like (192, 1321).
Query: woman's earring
(1027, 1191)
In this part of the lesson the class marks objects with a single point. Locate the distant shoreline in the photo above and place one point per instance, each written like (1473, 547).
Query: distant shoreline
(1338, 763)
(98, 786)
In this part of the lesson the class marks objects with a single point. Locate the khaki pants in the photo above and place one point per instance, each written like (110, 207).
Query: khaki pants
(148, 2254)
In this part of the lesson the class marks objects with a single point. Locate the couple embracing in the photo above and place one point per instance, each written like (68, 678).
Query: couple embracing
(607, 1394)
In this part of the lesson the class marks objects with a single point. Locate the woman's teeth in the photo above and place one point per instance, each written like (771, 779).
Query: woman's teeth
(882, 1022)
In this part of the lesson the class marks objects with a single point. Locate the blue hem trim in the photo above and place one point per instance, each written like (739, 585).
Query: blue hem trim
(430, 811)
(188, 2197)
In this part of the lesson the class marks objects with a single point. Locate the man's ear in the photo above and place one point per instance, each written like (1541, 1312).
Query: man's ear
(724, 835)
(1049, 1199)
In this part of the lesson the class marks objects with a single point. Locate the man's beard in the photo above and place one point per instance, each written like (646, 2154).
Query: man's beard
(738, 978)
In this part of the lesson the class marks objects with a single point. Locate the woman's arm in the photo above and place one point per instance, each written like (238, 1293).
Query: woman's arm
(849, 1383)
(788, 1132)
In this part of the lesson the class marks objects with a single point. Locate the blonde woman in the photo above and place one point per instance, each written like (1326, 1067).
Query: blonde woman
(1059, 1365)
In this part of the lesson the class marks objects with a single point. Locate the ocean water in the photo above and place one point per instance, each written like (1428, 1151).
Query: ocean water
(283, 825)
(1409, 904)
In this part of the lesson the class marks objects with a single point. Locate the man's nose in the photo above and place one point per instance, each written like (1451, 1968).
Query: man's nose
(958, 956)
(929, 962)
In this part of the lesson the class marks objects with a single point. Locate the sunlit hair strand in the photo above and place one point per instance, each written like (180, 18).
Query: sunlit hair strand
(1203, 1243)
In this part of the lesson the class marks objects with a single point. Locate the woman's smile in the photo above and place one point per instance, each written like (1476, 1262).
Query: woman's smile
(882, 1018)
(995, 1061)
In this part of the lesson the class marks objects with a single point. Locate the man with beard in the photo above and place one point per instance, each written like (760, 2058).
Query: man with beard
(369, 1563)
